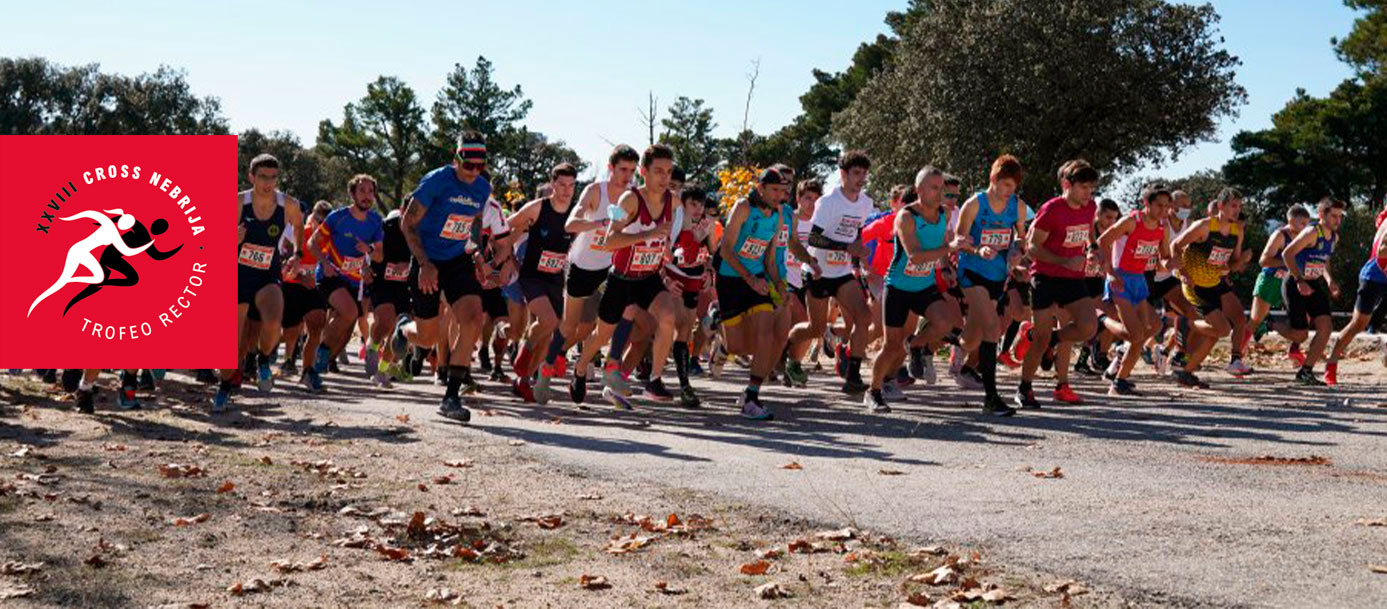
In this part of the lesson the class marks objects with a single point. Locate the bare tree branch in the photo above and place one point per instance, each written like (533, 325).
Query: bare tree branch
(650, 117)
(746, 112)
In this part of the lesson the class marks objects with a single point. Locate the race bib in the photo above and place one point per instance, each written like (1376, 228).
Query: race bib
(923, 269)
(1076, 235)
(1218, 256)
(838, 258)
(848, 227)
(783, 237)
(1146, 249)
(457, 227)
(646, 257)
(353, 266)
(1092, 268)
(551, 262)
(752, 248)
(599, 239)
(996, 238)
(397, 271)
(1314, 269)
(256, 256)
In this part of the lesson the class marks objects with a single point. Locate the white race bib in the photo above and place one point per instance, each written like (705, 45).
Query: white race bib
(1218, 256)
(752, 248)
(551, 262)
(838, 258)
(397, 271)
(1076, 235)
(457, 227)
(924, 269)
(256, 256)
(646, 257)
(996, 238)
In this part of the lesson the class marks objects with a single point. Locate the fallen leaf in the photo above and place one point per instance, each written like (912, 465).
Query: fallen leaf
(443, 480)
(403, 418)
(266, 460)
(545, 521)
(838, 535)
(183, 522)
(1054, 473)
(423, 487)
(758, 567)
(113, 447)
(287, 566)
(1068, 586)
(459, 463)
(792, 465)
(181, 470)
(226, 487)
(997, 595)
(589, 497)
(19, 568)
(1375, 522)
(22, 452)
(938, 577)
(772, 554)
(44, 518)
(891, 472)
(95, 561)
(772, 591)
(15, 592)
(442, 595)
(392, 553)
(593, 582)
(1378, 568)
(801, 546)
(630, 543)
(664, 588)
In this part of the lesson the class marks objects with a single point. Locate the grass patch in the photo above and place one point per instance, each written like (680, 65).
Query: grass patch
(8, 504)
(891, 563)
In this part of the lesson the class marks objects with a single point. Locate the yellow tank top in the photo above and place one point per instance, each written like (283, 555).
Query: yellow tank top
(1206, 263)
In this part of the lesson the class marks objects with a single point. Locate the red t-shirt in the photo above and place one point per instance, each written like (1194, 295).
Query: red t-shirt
(883, 232)
(1068, 232)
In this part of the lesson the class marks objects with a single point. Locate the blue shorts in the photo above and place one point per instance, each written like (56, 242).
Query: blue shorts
(1134, 288)
(513, 293)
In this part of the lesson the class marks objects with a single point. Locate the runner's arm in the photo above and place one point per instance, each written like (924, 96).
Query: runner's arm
(1110, 237)
(1038, 252)
(409, 225)
(616, 239)
(1301, 241)
(521, 221)
(728, 246)
(1194, 233)
(1269, 259)
(577, 223)
(966, 215)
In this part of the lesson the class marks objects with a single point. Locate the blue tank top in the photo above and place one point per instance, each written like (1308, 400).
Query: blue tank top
(782, 239)
(993, 229)
(1314, 260)
(908, 277)
(757, 234)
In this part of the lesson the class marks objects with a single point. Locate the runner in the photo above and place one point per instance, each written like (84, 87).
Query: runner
(346, 242)
(305, 309)
(1310, 285)
(688, 268)
(912, 289)
(807, 194)
(638, 236)
(1061, 243)
(271, 227)
(1266, 294)
(988, 223)
(589, 260)
(541, 271)
(444, 222)
(747, 275)
(1372, 294)
(834, 240)
(392, 279)
(1209, 249)
(1097, 347)
(1135, 244)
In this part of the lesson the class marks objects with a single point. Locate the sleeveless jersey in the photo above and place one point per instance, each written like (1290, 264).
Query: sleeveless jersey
(1206, 263)
(546, 250)
(260, 254)
(906, 275)
(1314, 260)
(1287, 237)
(588, 251)
(642, 259)
(759, 231)
(1139, 251)
(992, 229)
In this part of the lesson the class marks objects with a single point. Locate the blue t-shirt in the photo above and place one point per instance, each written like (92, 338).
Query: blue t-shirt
(450, 209)
(343, 230)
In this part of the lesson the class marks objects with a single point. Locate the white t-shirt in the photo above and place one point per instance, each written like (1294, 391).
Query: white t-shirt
(794, 274)
(840, 220)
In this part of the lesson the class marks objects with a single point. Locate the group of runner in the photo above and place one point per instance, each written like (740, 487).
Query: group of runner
(643, 269)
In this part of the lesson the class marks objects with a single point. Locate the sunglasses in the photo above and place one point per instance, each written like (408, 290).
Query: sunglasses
(950, 195)
(472, 166)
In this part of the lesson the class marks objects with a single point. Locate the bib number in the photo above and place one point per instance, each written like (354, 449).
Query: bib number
(353, 266)
(1314, 270)
(1092, 268)
(996, 238)
(838, 258)
(551, 262)
(646, 257)
(397, 271)
(457, 227)
(752, 248)
(256, 256)
(1146, 249)
(1219, 256)
(924, 269)
(1076, 235)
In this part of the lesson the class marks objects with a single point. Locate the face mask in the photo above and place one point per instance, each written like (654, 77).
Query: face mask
(1183, 214)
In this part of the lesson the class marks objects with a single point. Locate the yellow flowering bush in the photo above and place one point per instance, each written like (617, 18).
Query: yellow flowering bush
(735, 183)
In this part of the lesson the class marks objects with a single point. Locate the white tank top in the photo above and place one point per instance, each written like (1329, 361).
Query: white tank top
(584, 253)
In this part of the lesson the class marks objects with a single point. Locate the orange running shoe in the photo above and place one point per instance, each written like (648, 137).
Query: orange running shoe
(1331, 373)
(1064, 393)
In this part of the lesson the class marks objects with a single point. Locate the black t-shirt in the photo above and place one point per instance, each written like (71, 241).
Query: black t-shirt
(396, 250)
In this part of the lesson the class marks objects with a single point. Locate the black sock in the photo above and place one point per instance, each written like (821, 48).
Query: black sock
(1011, 335)
(484, 355)
(917, 354)
(876, 395)
(987, 367)
(681, 362)
(1025, 386)
(855, 369)
(456, 374)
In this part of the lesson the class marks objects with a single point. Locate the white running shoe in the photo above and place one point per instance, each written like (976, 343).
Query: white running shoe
(965, 381)
(1119, 352)
(930, 376)
(957, 358)
(1238, 368)
(892, 392)
(875, 406)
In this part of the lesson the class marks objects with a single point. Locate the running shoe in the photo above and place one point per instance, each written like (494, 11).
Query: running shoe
(616, 398)
(126, 399)
(266, 381)
(875, 402)
(452, 408)
(903, 378)
(382, 380)
(957, 359)
(1081, 364)
(521, 388)
(50, 375)
(560, 366)
(371, 357)
(1331, 374)
(892, 392)
(1306, 376)
(993, 405)
(688, 398)
(1023, 340)
(695, 368)
(1116, 363)
(613, 379)
(966, 379)
(323, 360)
(1238, 368)
(1187, 379)
(1065, 393)
(854, 387)
(795, 374)
(840, 361)
(146, 380)
(917, 362)
(542, 382)
(1295, 354)
(1123, 387)
(1146, 356)
(86, 401)
(578, 389)
(312, 380)
(1007, 360)
(1025, 398)
(655, 389)
(928, 375)
(752, 409)
(223, 396)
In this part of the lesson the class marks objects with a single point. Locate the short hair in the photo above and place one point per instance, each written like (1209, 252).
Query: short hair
(321, 209)
(1153, 190)
(1108, 205)
(471, 136)
(899, 191)
(852, 159)
(656, 152)
(783, 169)
(1228, 194)
(812, 185)
(357, 180)
(265, 160)
(563, 170)
(1007, 166)
(1078, 171)
(622, 152)
(1297, 211)
(952, 180)
(693, 192)
(927, 172)
(1177, 194)
(678, 174)
(1329, 203)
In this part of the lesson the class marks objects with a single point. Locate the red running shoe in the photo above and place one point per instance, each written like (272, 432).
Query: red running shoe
(1331, 373)
(560, 367)
(1064, 393)
(1006, 360)
(521, 388)
(1023, 340)
(1295, 354)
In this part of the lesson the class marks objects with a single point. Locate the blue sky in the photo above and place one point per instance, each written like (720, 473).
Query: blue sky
(587, 66)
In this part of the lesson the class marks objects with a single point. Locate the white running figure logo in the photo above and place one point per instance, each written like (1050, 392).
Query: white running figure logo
(80, 254)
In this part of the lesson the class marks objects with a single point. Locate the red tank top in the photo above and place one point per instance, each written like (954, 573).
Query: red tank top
(643, 259)
(1142, 247)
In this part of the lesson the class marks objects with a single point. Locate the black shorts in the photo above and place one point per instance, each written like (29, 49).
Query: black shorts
(736, 299)
(299, 301)
(1371, 296)
(822, 288)
(1207, 300)
(1095, 286)
(386, 292)
(1050, 291)
(494, 303)
(535, 288)
(799, 293)
(995, 289)
(328, 285)
(583, 283)
(1156, 295)
(899, 304)
(622, 292)
(1301, 311)
(456, 278)
(249, 283)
